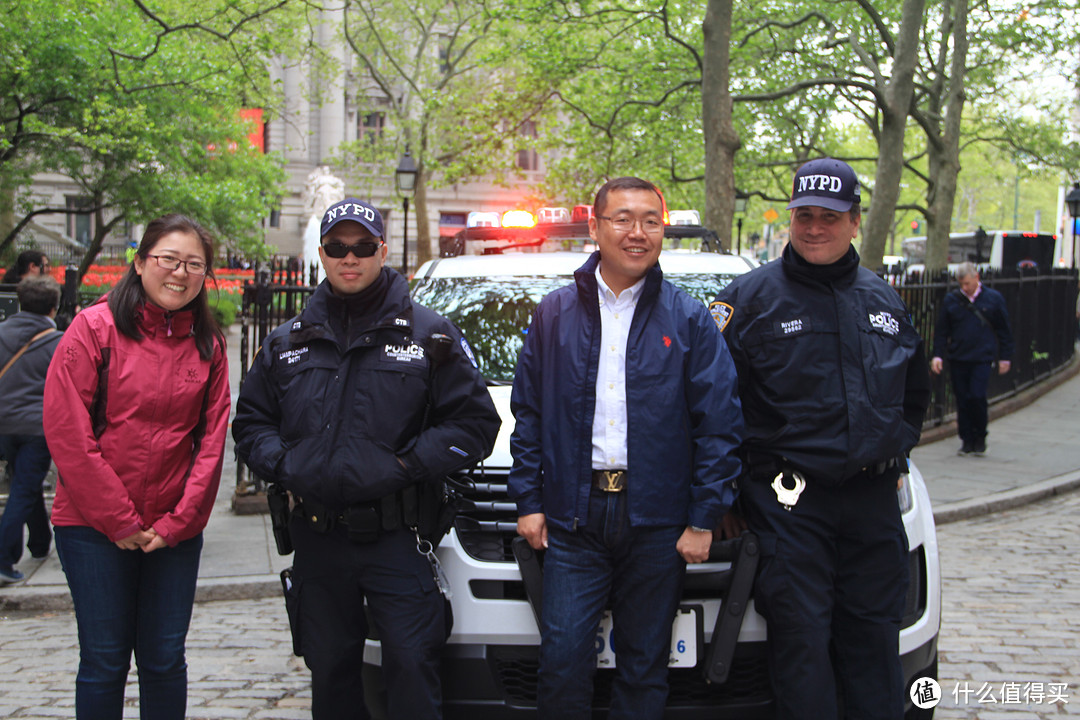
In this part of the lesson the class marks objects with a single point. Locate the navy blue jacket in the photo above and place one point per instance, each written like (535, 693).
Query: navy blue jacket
(331, 403)
(684, 422)
(961, 335)
(22, 387)
(832, 374)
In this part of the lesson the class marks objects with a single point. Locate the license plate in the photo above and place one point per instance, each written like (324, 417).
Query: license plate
(685, 636)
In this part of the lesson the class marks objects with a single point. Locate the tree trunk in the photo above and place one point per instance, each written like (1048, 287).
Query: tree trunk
(721, 139)
(944, 151)
(7, 217)
(420, 211)
(894, 111)
(101, 230)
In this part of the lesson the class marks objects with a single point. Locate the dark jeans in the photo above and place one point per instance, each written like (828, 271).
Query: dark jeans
(831, 587)
(332, 577)
(969, 382)
(640, 572)
(129, 600)
(29, 458)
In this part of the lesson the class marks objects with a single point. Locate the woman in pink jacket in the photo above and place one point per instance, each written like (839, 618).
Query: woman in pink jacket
(136, 410)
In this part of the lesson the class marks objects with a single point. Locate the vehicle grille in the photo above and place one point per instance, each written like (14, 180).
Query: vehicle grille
(489, 524)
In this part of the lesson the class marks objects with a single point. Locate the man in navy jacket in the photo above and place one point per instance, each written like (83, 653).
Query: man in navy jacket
(624, 455)
(972, 332)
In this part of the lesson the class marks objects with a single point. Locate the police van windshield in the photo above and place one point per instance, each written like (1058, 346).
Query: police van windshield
(494, 312)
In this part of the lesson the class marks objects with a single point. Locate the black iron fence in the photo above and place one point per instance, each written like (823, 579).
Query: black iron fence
(1042, 313)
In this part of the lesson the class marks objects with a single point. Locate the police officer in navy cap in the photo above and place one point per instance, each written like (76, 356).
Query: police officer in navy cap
(359, 406)
(834, 385)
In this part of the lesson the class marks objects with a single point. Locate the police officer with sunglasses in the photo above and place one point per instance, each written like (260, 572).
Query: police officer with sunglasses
(358, 406)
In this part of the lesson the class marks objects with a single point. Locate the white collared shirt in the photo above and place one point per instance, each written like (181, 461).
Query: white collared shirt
(609, 422)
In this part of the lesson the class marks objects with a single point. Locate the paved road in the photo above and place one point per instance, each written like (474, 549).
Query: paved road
(1011, 623)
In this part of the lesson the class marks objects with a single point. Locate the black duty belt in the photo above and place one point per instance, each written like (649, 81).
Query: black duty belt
(881, 468)
(363, 522)
(763, 466)
(611, 481)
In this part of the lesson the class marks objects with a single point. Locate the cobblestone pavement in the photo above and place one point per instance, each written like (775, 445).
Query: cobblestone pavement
(240, 665)
(1011, 628)
(1011, 614)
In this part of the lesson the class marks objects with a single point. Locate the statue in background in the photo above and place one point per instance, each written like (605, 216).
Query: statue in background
(322, 190)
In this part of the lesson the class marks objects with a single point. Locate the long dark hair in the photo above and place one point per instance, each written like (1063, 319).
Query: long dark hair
(126, 299)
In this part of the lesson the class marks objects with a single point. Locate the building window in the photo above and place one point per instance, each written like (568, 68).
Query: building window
(527, 159)
(369, 126)
(80, 225)
(444, 53)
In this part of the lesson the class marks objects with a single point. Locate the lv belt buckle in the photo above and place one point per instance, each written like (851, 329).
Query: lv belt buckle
(613, 480)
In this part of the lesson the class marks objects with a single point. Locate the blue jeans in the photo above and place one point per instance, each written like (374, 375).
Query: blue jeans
(640, 572)
(29, 458)
(129, 600)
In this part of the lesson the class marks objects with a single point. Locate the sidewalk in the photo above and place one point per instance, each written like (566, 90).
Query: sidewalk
(1032, 454)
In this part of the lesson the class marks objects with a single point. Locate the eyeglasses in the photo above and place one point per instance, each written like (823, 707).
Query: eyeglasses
(168, 262)
(624, 224)
(338, 250)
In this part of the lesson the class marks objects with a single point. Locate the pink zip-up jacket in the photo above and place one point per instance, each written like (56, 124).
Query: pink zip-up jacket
(136, 428)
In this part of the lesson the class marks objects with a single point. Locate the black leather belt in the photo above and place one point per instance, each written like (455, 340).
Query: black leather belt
(611, 481)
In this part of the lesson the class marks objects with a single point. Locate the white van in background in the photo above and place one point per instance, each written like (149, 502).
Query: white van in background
(996, 250)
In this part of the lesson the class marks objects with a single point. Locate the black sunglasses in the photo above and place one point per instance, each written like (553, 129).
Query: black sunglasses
(338, 250)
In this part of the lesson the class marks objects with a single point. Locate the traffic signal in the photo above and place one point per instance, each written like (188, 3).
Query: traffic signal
(915, 226)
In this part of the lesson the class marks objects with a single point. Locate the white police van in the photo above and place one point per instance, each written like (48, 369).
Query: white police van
(490, 666)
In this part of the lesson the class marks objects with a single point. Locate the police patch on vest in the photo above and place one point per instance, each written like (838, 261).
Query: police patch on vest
(883, 321)
(469, 353)
(795, 326)
(291, 357)
(721, 313)
(403, 353)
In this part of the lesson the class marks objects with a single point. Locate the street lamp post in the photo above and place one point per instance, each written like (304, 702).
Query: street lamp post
(1072, 200)
(405, 178)
(740, 208)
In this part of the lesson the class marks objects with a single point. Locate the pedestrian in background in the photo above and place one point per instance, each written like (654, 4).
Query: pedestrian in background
(624, 456)
(27, 342)
(972, 333)
(834, 386)
(136, 411)
(358, 407)
(29, 263)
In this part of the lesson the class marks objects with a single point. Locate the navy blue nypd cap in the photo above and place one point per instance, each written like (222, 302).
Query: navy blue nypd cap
(826, 183)
(354, 210)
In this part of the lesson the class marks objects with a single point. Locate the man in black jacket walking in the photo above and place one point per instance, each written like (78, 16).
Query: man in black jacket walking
(972, 332)
(22, 439)
(358, 406)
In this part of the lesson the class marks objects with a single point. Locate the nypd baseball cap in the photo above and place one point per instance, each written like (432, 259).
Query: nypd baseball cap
(826, 183)
(354, 210)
